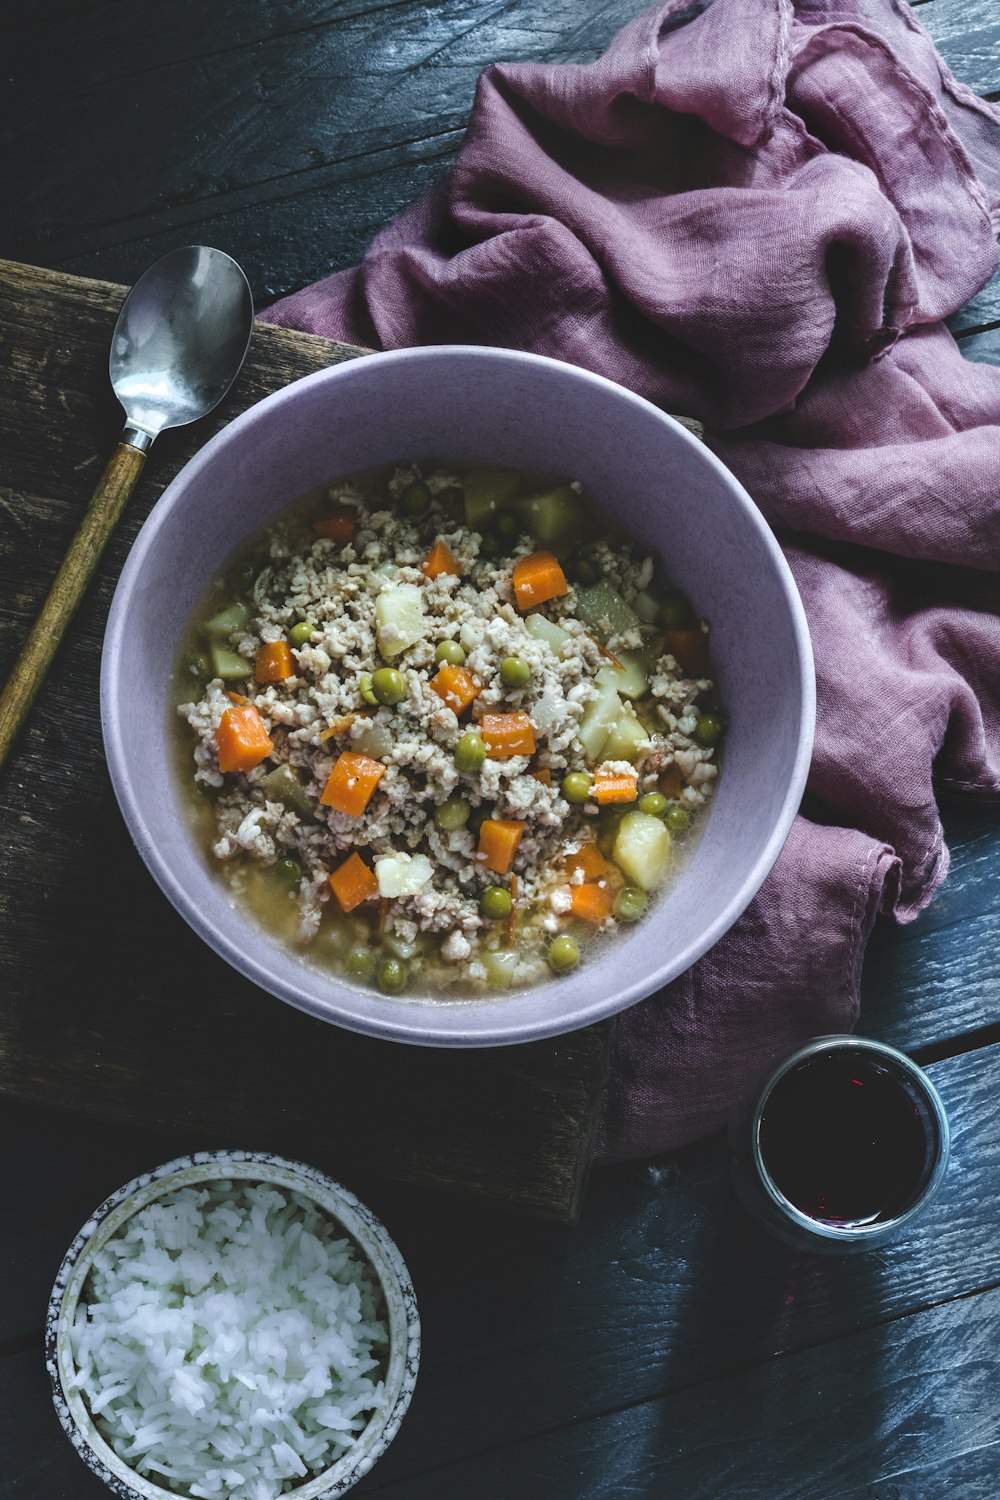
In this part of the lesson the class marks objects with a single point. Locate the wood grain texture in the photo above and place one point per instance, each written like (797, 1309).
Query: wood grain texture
(965, 1476)
(967, 34)
(111, 1004)
(389, 90)
(304, 128)
(664, 1287)
(982, 312)
(62, 601)
(983, 347)
(936, 977)
(921, 1391)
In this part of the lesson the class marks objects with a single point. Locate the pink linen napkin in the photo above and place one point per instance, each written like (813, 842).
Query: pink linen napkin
(758, 212)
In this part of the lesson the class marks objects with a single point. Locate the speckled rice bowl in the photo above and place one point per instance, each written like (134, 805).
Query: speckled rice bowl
(471, 406)
(351, 1221)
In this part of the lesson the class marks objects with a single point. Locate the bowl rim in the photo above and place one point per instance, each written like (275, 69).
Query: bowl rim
(450, 1029)
(369, 1236)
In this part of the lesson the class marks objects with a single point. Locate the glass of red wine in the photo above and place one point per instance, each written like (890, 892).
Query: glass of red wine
(845, 1142)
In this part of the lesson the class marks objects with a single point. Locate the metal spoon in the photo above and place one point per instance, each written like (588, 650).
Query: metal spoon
(180, 340)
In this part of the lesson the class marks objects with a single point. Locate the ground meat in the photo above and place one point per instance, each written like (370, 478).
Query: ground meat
(335, 587)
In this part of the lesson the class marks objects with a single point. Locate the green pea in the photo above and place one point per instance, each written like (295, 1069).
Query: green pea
(584, 571)
(708, 729)
(505, 524)
(677, 818)
(392, 976)
(366, 690)
(470, 753)
(576, 786)
(389, 686)
(515, 672)
(675, 611)
(653, 803)
(198, 665)
(496, 903)
(631, 904)
(450, 652)
(300, 634)
(360, 964)
(416, 499)
(452, 813)
(563, 954)
(288, 869)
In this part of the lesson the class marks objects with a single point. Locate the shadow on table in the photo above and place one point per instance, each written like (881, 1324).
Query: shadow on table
(751, 1374)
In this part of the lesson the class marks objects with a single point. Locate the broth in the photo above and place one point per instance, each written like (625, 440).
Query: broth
(449, 729)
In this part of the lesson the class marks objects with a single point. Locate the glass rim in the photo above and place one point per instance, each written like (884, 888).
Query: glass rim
(820, 1228)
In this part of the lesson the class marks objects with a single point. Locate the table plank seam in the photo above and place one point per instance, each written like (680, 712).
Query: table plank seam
(227, 201)
(249, 45)
(977, 1040)
(671, 1390)
(978, 328)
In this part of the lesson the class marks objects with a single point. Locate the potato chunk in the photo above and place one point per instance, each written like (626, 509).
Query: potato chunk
(399, 619)
(643, 850)
(599, 718)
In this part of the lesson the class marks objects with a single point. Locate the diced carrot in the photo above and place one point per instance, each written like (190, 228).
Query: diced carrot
(536, 578)
(439, 560)
(689, 648)
(592, 902)
(236, 697)
(498, 841)
(274, 662)
(353, 882)
(544, 776)
(339, 527)
(507, 734)
(591, 861)
(351, 783)
(241, 740)
(670, 782)
(615, 786)
(455, 687)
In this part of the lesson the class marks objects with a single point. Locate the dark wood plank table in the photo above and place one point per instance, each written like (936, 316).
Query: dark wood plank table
(664, 1346)
(130, 1017)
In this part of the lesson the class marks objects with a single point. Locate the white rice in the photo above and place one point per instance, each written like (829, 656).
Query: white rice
(228, 1342)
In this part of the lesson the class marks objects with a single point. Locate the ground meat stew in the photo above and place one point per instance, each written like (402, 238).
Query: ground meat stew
(450, 730)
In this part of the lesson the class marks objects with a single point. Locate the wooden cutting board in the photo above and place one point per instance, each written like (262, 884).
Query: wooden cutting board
(109, 1004)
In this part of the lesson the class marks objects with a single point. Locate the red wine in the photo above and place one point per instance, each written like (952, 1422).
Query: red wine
(847, 1139)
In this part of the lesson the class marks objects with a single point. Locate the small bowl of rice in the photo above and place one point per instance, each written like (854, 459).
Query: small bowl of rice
(232, 1326)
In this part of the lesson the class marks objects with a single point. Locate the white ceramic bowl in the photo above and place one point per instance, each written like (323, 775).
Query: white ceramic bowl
(360, 1224)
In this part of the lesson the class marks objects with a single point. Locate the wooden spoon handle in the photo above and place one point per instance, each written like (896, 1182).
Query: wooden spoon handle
(99, 521)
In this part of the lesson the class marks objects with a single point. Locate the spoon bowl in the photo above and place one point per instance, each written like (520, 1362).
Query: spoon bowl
(180, 340)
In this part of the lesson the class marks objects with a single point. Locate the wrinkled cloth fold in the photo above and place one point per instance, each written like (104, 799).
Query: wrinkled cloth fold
(758, 213)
